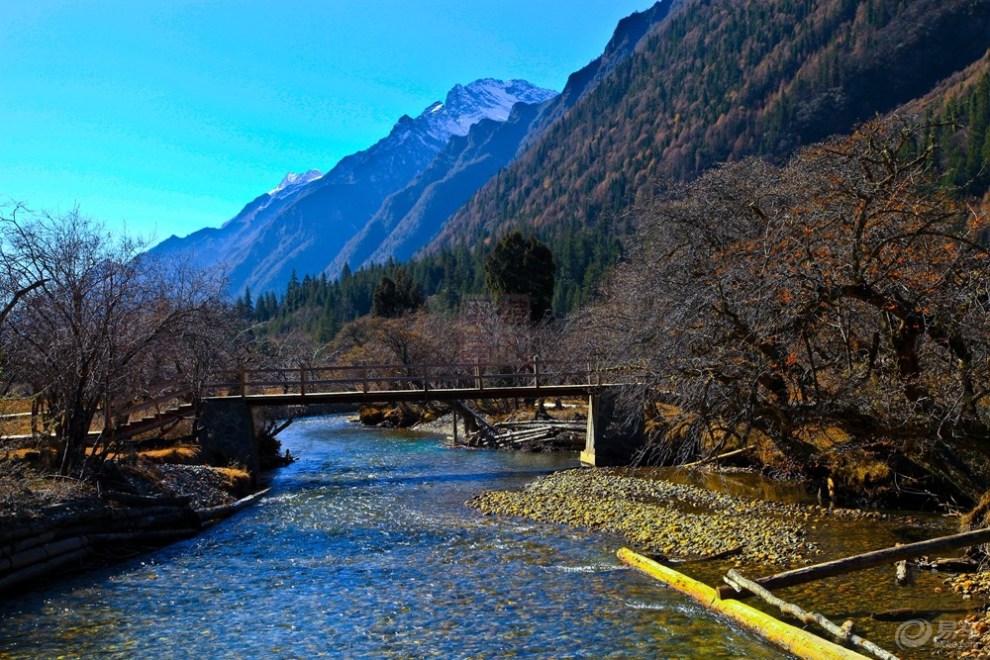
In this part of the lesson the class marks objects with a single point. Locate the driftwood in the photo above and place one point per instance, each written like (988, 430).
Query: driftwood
(867, 560)
(712, 459)
(576, 425)
(218, 512)
(844, 632)
(908, 613)
(731, 552)
(951, 565)
(790, 638)
(145, 500)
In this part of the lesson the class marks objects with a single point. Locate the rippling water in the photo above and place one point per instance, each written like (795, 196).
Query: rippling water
(364, 548)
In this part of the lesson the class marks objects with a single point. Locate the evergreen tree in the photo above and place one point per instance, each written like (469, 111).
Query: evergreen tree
(410, 293)
(522, 265)
(386, 301)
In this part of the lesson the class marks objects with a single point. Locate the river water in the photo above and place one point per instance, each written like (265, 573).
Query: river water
(364, 549)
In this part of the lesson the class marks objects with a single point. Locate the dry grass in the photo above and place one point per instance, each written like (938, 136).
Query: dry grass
(238, 479)
(29, 454)
(181, 455)
(24, 492)
(15, 406)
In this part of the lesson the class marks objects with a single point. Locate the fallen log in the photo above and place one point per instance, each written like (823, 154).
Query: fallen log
(518, 436)
(951, 565)
(865, 560)
(218, 512)
(576, 425)
(725, 554)
(43, 568)
(908, 613)
(790, 638)
(712, 459)
(545, 435)
(844, 633)
(42, 553)
(146, 500)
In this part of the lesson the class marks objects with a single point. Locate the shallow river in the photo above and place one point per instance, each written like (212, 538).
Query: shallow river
(364, 548)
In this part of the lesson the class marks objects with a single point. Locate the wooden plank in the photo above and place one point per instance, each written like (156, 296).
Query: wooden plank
(865, 560)
(794, 640)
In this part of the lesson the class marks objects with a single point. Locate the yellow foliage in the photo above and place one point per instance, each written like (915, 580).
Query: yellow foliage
(857, 469)
(823, 438)
(237, 479)
(181, 455)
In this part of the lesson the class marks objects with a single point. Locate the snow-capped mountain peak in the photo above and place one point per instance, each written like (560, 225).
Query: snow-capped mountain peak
(307, 219)
(293, 180)
(466, 105)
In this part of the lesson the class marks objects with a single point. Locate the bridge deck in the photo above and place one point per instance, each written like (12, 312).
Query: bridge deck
(353, 385)
(421, 394)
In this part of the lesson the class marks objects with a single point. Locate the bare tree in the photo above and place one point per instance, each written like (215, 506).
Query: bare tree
(86, 337)
(845, 288)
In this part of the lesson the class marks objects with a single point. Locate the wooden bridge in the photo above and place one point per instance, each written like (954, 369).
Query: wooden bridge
(222, 410)
(362, 384)
(421, 382)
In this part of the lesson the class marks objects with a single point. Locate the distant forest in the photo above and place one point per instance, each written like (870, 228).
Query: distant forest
(320, 307)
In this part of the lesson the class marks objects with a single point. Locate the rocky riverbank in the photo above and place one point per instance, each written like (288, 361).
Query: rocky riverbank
(51, 524)
(706, 532)
(675, 521)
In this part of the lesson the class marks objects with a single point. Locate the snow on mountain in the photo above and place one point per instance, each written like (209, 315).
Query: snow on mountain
(304, 222)
(293, 180)
(465, 106)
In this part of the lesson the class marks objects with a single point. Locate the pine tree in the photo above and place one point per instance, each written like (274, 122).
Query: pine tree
(522, 265)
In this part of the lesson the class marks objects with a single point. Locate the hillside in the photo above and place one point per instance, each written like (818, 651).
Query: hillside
(717, 82)
(412, 217)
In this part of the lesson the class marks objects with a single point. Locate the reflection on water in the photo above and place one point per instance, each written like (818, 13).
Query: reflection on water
(365, 549)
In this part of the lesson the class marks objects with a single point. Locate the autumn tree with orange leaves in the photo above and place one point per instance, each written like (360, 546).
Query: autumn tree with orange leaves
(846, 290)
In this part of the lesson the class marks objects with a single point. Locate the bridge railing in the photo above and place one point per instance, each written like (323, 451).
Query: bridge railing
(368, 378)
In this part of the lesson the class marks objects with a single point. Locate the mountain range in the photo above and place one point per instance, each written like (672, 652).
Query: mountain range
(680, 88)
(303, 223)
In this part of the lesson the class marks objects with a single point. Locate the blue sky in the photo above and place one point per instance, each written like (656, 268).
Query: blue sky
(164, 116)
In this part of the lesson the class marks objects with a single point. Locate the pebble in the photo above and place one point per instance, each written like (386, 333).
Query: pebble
(658, 517)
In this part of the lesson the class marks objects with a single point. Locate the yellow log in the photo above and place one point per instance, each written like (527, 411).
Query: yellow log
(795, 640)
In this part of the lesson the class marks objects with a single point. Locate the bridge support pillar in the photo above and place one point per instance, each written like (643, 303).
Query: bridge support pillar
(613, 435)
(226, 427)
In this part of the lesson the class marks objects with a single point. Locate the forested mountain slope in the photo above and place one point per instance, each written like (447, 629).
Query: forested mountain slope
(717, 81)
(411, 217)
